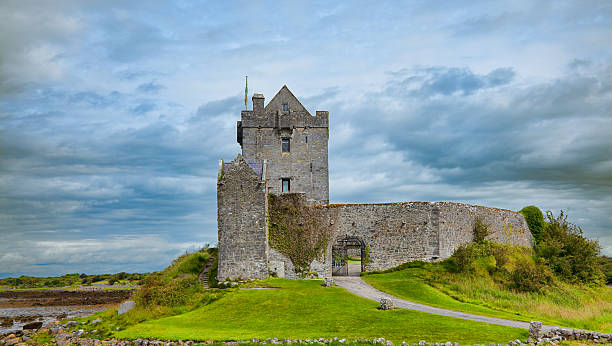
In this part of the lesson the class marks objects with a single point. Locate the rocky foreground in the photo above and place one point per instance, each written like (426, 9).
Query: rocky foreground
(19, 308)
(69, 334)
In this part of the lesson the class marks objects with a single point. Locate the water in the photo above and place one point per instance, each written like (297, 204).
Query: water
(13, 319)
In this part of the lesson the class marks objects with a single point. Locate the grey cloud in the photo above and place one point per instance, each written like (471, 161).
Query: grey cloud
(144, 108)
(476, 147)
(151, 87)
(93, 99)
(448, 81)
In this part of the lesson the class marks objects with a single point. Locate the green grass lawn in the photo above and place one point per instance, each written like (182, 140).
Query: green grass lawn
(566, 305)
(304, 309)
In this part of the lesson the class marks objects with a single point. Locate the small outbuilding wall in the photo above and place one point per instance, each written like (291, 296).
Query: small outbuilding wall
(241, 218)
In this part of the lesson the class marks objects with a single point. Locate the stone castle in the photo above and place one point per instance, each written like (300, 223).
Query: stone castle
(285, 157)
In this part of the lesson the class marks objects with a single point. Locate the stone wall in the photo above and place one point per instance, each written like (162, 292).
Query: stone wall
(241, 218)
(399, 232)
(457, 222)
(394, 232)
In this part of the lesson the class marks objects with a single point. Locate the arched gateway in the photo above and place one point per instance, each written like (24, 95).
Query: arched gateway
(348, 256)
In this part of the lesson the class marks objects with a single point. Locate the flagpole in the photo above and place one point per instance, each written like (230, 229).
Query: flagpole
(246, 91)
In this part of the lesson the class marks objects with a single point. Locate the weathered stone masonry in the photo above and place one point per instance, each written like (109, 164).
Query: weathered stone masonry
(241, 218)
(399, 232)
(393, 232)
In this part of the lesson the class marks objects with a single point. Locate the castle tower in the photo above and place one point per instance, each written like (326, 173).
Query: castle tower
(293, 142)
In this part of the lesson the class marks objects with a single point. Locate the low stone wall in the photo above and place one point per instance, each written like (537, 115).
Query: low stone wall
(555, 334)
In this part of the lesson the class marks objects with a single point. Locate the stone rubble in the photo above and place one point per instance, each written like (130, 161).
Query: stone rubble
(386, 304)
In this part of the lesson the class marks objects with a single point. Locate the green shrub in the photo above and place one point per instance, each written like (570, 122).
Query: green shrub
(481, 230)
(158, 291)
(535, 221)
(483, 266)
(531, 277)
(466, 255)
(568, 254)
(605, 264)
(463, 257)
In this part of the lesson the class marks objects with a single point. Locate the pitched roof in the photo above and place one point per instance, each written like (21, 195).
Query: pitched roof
(284, 95)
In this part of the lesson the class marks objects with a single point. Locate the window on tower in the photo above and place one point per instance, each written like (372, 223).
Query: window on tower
(286, 184)
(285, 107)
(286, 146)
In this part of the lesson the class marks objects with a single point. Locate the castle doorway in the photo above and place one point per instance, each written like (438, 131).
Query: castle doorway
(348, 255)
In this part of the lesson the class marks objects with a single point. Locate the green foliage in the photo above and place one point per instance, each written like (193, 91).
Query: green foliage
(193, 263)
(529, 276)
(511, 266)
(568, 254)
(535, 221)
(43, 338)
(159, 290)
(366, 257)
(67, 280)
(298, 231)
(176, 286)
(606, 267)
(214, 269)
(481, 230)
(561, 246)
(468, 257)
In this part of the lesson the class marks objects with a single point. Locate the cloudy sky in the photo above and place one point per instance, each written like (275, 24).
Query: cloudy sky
(113, 114)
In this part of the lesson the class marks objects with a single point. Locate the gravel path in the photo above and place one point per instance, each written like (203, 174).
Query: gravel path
(359, 287)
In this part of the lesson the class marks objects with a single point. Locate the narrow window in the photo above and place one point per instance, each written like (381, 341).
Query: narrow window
(285, 107)
(306, 139)
(286, 184)
(311, 167)
(285, 145)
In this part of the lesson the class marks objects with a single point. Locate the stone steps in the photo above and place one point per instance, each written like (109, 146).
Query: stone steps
(203, 276)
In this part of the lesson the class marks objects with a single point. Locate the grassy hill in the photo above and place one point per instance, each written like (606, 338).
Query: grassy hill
(305, 309)
(172, 306)
(488, 290)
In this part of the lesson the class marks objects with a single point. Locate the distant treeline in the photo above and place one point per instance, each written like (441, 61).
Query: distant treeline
(72, 280)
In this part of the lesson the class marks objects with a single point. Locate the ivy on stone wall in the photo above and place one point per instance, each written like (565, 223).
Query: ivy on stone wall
(297, 230)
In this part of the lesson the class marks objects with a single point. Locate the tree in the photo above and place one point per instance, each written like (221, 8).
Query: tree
(568, 253)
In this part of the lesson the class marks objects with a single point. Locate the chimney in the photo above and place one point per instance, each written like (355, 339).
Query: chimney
(258, 102)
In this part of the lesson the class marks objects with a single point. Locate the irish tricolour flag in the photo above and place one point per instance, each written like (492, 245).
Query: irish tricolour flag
(246, 91)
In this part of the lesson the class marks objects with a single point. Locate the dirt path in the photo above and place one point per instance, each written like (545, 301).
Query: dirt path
(359, 287)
